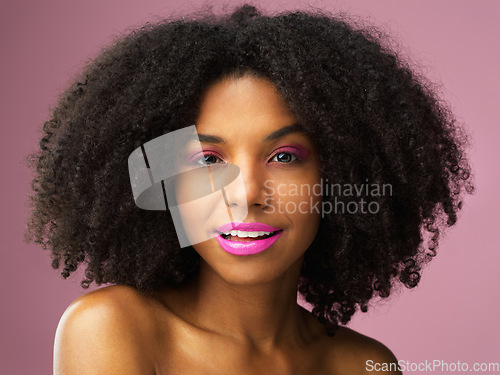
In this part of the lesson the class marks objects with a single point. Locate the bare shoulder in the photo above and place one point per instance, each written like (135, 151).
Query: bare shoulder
(355, 353)
(103, 332)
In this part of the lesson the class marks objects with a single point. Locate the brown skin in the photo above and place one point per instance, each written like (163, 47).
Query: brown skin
(239, 315)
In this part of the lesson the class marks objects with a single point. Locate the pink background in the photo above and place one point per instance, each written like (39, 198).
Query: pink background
(451, 316)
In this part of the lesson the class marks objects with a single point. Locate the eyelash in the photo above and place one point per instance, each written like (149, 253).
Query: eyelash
(279, 152)
(204, 155)
(294, 155)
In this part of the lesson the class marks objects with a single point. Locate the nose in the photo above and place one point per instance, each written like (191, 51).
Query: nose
(252, 192)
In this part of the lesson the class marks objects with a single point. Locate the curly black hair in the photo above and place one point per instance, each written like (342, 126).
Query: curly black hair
(373, 119)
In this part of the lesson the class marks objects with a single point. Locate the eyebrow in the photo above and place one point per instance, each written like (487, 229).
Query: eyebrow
(294, 128)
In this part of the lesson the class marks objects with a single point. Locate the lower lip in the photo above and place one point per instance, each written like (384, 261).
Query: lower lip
(247, 247)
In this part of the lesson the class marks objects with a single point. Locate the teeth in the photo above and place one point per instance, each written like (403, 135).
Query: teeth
(243, 234)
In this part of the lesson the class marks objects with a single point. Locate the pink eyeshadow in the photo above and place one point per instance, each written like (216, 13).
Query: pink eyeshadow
(300, 151)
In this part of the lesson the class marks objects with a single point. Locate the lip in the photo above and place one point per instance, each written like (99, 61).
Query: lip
(253, 227)
(247, 247)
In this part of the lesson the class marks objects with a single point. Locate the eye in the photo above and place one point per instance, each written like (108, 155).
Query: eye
(206, 159)
(284, 157)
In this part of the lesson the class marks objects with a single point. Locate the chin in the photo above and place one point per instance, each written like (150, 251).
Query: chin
(249, 270)
(249, 277)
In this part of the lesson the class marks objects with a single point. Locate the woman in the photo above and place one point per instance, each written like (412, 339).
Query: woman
(349, 167)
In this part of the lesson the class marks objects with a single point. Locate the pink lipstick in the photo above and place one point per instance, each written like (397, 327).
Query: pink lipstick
(247, 238)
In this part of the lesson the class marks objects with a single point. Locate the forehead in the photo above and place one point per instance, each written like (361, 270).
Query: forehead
(243, 102)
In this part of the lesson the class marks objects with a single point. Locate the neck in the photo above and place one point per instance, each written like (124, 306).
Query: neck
(261, 315)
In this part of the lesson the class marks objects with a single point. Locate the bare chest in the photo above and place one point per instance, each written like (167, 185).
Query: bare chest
(188, 355)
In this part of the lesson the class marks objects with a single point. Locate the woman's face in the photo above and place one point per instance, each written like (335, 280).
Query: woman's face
(245, 122)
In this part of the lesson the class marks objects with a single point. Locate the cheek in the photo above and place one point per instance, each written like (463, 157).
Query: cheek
(300, 202)
(198, 218)
(195, 214)
(307, 217)
(201, 217)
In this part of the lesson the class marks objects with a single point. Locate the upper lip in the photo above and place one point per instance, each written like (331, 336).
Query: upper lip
(247, 227)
